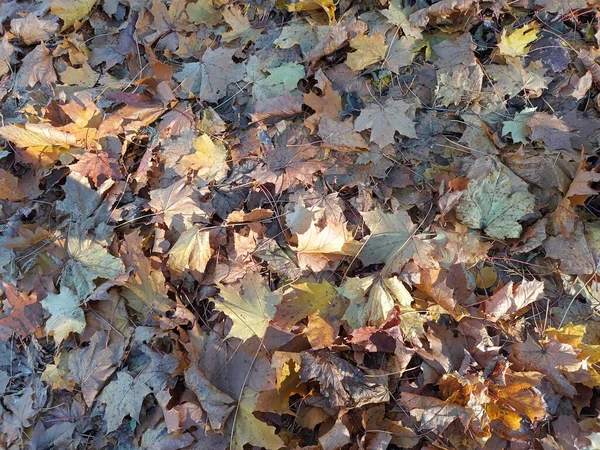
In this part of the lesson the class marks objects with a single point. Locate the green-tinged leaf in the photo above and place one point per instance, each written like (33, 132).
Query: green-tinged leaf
(518, 129)
(248, 429)
(391, 233)
(489, 205)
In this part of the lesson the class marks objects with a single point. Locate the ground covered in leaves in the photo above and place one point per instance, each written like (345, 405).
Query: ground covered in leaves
(352, 225)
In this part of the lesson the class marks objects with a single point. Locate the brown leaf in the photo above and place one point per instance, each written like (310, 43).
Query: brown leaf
(22, 315)
(37, 67)
(340, 135)
(551, 130)
(342, 384)
(92, 365)
(511, 298)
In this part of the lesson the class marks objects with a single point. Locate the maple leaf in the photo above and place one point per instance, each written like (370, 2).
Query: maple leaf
(208, 160)
(311, 5)
(37, 67)
(517, 127)
(328, 104)
(511, 298)
(384, 120)
(123, 397)
(218, 71)
(88, 261)
(191, 252)
(514, 78)
(248, 429)
(218, 405)
(434, 413)
(308, 298)
(551, 358)
(554, 132)
(342, 384)
(369, 50)
(176, 204)
(66, 315)
(32, 29)
(250, 309)
(488, 205)
(516, 43)
(24, 315)
(6, 55)
(391, 236)
(71, 11)
(340, 135)
(92, 365)
(80, 199)
(203, 12)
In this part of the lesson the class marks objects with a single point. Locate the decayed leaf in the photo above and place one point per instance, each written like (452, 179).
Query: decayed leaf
(123, 397)
(248, 429)
(488, 205)
(250, 310)
(66, 315)
(514, 78)
(551, 358)
(384, 120)
(554, 132)
(203, 12)
(517, 43)
(89, 261)
(340, 135)
(342, 384)
(218, 70)
(191, 252)
(369, 50)
(433, 413)
(32, 29)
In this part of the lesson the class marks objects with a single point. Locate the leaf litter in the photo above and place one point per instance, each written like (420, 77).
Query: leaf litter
(299, 224)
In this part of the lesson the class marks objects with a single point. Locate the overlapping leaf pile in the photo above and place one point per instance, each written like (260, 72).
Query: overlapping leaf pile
(307, 224)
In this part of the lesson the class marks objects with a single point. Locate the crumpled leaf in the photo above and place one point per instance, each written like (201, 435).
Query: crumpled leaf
(341, 383)
(208, 160)
(384, 120)
(250, 309)
(489, 205)
(66, 315)
(311, 5)
(511, 298)
(24, 315)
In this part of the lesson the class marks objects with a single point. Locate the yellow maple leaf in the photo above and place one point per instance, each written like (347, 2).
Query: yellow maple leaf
(71, 11)
(369, 50)
(310, 5)
(517, 43)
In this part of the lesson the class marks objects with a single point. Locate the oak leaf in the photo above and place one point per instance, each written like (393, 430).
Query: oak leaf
(384, 120)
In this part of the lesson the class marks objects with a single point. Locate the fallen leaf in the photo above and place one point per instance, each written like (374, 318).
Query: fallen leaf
(552, 131)
(511, 298)
(71, 11)
(311, 5)
(384, 120)
(342, 384)
(248, 429)
(250, 309)
(490, 206)
(66, 315)
(517, 43)
(369, 50)
(190, 253)
(209, 161)
(23, 317)
(123, 397)
(340, 135)
(37, 67)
